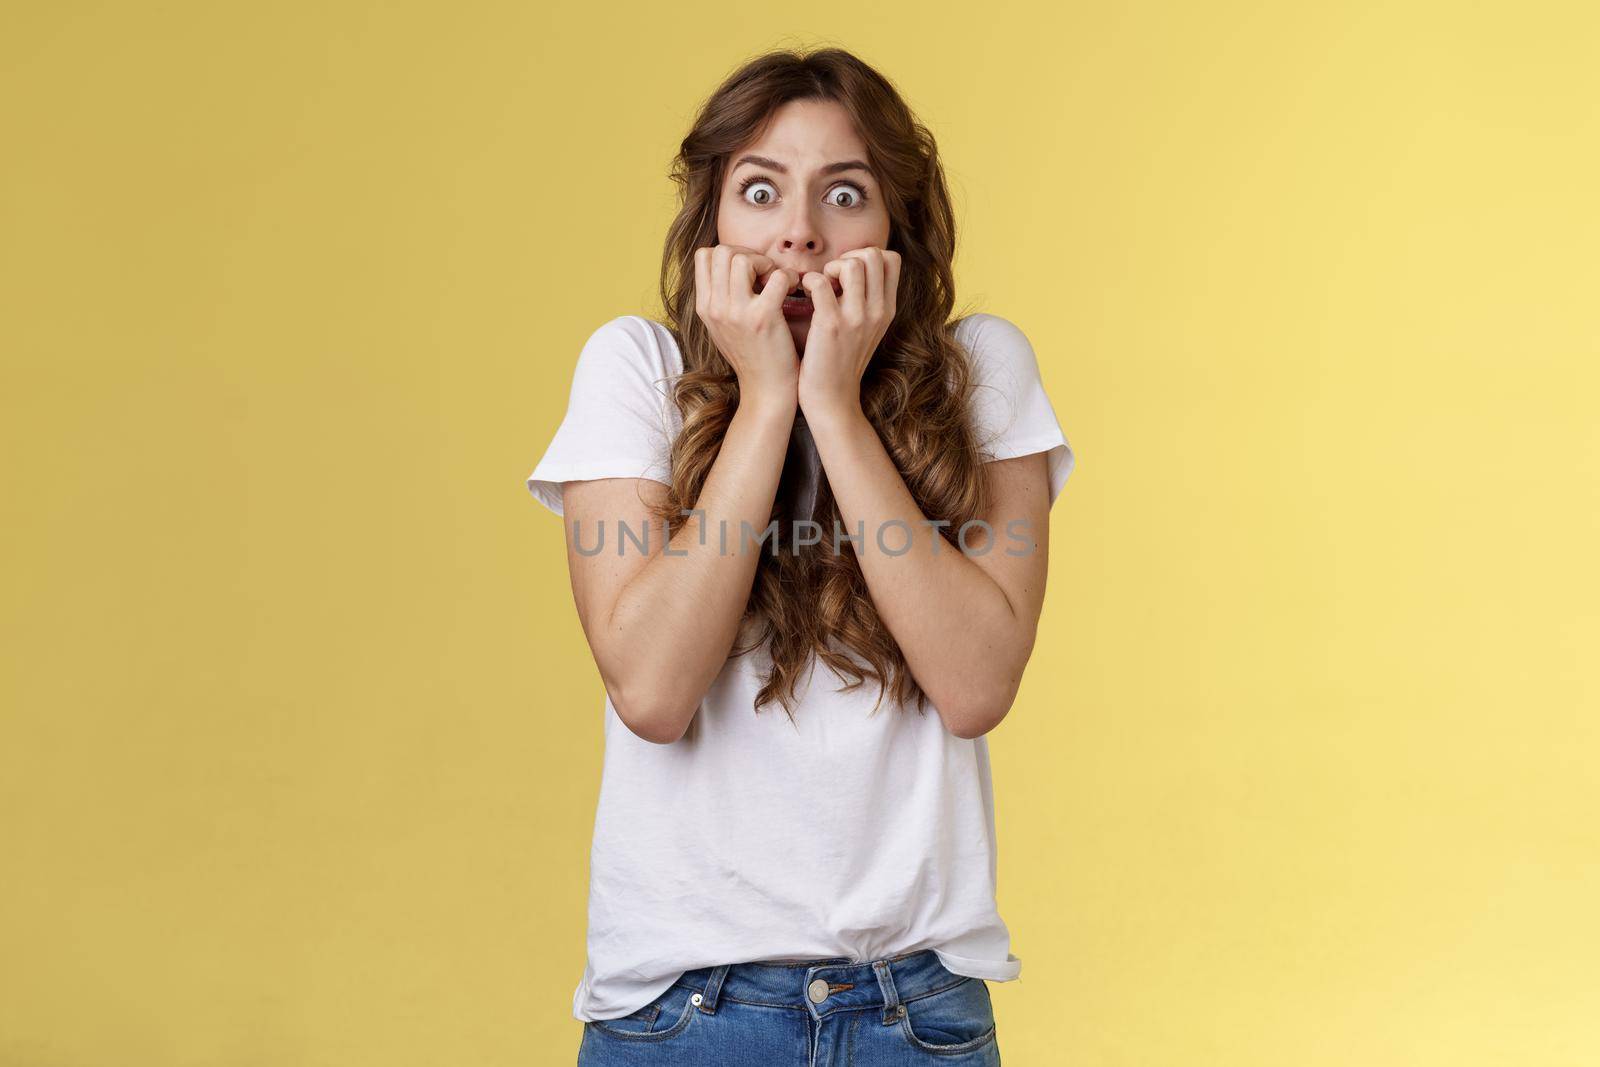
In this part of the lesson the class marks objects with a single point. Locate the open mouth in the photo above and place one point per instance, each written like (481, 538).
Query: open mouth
(797, 304)
(798, 293)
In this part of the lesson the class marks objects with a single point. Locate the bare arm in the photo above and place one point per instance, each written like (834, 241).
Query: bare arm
(965, 622)
(661, 620)
(965, 618)
(661, 626)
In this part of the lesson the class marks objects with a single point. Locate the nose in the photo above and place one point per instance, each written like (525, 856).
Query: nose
(798, 240)
(800, 231)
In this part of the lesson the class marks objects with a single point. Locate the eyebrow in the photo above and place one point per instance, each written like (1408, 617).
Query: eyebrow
(831, 168)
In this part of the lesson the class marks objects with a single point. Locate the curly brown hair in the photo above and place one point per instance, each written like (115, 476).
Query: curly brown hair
(915, 392)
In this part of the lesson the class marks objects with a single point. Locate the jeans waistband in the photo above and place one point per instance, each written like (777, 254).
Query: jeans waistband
(824, 986)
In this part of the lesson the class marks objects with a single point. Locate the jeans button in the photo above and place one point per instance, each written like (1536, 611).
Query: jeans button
(818, 990)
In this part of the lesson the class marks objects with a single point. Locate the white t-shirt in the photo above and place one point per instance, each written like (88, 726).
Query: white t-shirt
(754, 838)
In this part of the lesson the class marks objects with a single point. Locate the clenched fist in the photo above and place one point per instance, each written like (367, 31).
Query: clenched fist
(746, 321)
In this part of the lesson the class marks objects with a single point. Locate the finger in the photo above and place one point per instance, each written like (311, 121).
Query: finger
(702, 278)
(741, 275)
(891, 282)
(719, 274)
(871, 261)
(777, 286)
(852, 284)
(820, 286)
(763, 265)
(834, 284)
(759, 261)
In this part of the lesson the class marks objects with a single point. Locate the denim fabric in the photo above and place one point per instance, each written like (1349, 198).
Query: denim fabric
(895, 1012)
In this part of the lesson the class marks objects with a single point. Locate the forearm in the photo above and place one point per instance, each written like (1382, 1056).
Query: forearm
(963, 641)
(679, 616)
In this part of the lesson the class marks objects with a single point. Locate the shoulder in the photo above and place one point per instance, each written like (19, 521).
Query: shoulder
(1011, 408)
(1002, 360)
(996, 345)
(629, 354)
(637, 343)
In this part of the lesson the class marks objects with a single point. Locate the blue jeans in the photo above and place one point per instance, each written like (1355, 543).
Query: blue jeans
(894, 1012)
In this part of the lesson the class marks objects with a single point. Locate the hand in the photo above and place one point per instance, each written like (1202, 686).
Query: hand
(746, 321)
(845, 330)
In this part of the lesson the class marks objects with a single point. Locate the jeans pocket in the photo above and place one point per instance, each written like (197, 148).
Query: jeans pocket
(958, 1018)
(665, 1017)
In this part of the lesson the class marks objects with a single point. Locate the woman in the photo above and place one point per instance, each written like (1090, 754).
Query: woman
(819, 885)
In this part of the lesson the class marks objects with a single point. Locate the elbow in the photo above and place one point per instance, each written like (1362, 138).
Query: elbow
(973, 716)
(656, 729)
(970, 723)
(657, 721)
(975, 710)
(980, 709)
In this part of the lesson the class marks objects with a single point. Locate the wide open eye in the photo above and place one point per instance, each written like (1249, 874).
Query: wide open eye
(761, 199)
(855, 197)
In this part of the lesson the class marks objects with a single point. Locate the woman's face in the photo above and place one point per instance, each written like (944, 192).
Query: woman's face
(801, 193)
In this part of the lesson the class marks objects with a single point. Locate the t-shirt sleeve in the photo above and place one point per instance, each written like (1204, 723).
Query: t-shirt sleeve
(616, 424)
(1012, 412)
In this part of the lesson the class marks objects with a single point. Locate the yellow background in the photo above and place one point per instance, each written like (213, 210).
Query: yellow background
(301, 738)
